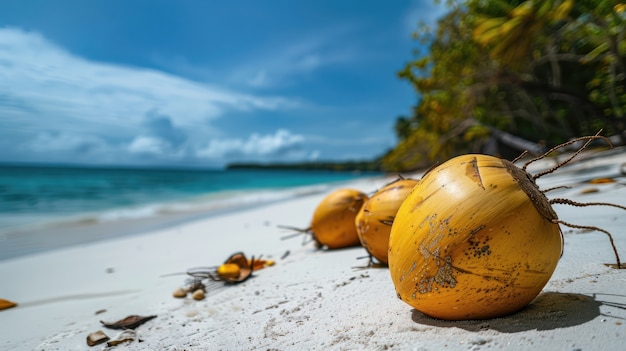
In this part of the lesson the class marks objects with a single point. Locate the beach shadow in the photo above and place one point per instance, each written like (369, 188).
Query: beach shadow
(550, 310)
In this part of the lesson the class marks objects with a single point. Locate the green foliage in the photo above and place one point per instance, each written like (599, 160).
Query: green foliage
(545, 71)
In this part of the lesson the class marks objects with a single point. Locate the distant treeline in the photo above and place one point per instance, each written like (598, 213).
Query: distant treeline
(368, 166)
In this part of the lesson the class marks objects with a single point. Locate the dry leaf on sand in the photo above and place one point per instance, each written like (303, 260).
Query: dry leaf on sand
(130, 322)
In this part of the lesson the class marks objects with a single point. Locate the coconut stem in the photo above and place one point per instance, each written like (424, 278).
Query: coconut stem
(298, 231)
(583, 204)
(524, 153)
(292, 235)
(562, 163)
(619, 264)
(555, 188)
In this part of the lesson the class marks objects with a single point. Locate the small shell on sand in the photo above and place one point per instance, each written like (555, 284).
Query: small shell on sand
(180, 293)
(198, 294)
(125, 336)
(97, 338)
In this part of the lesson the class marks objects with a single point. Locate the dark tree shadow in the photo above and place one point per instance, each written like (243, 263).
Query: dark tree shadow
(550, 310)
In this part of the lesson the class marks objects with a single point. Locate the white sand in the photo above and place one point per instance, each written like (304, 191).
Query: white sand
(311, 299)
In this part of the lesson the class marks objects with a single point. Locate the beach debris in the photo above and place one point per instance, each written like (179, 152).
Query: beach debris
(589, 190)
(100, 311)
(96, 338)
(6, 304)
(130, 322)
(236, 269)
(180, 293)
(260, 264)
(332, 225)
(229, 270)
(477, 238)
(125, 336)
(194, 284)
(198, 295)
(602, 180)
(285, 255)
(374, 220)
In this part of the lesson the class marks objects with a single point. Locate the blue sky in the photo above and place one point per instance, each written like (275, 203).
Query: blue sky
(203, 83)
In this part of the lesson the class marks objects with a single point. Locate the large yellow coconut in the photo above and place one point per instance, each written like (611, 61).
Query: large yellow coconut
(374, 221)
(475, 239)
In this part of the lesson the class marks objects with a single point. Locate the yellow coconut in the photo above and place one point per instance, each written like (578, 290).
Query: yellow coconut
(375, 218)
(333, 225)
(475, 239)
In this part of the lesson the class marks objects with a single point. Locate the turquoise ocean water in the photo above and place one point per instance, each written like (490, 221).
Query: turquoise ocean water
(45, 207)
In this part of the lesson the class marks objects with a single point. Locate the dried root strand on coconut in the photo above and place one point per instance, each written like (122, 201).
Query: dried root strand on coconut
(476, 239)
(375, 218)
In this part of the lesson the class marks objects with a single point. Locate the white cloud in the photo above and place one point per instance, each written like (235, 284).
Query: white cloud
(46, 76)
(59, 102)
(281, 142)
(148, 145)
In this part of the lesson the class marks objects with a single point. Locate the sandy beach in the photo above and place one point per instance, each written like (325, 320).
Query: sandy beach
(311, 299)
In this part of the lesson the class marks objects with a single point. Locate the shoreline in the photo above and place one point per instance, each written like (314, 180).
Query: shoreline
(70, 230)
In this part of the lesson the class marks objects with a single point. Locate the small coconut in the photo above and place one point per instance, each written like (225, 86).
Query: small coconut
(333, 225)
